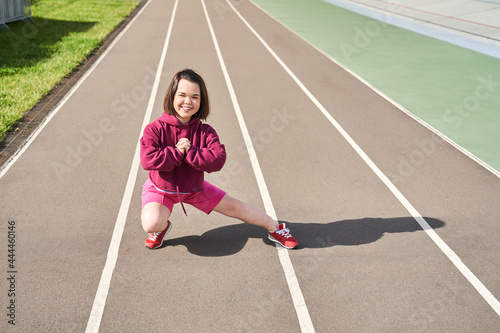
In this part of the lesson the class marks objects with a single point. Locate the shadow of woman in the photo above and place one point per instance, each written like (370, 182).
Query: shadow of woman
(229, 240)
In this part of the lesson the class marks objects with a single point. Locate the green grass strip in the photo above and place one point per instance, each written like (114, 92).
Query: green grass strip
(36, 56)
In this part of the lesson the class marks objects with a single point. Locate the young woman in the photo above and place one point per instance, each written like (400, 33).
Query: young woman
(178, 149)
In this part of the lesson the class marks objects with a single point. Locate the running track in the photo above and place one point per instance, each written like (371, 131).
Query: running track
(307, 141)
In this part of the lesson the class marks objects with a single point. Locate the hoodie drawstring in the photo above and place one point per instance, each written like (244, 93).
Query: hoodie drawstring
(178, 132)
(180, 200)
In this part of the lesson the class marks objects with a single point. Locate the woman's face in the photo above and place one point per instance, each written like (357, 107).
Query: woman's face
(187, 100)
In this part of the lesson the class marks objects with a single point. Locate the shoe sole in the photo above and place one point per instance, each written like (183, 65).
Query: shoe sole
(166, 233)
(278, 242)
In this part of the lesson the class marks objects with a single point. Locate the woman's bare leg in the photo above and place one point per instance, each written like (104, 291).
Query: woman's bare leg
(154, 217)
(232, 207)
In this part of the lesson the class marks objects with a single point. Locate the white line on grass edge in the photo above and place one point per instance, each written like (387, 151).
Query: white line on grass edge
(480, 287)
(70, 93)
(95, 317)
(293, 284)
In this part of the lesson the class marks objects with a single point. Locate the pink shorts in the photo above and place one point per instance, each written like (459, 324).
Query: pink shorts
(205, 200)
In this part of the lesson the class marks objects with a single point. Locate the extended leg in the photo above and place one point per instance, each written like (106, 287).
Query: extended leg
(277, 232)
(232, 207)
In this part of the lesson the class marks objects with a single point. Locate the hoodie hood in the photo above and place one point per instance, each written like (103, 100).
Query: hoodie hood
(172, 120)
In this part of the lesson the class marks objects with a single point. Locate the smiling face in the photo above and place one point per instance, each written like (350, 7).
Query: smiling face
(187, 100)
(187, 87)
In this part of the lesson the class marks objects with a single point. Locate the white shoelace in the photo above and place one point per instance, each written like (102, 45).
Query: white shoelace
(153, 235)
(285, 232)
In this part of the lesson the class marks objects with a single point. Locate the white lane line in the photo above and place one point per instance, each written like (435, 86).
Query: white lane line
(70, 93)
(95, 317)
(291, 278)
(476, 283)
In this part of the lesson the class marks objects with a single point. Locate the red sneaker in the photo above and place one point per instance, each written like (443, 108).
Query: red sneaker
(282, 236)
(155, 239)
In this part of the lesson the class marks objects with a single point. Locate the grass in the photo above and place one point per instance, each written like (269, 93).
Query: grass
(36, 56)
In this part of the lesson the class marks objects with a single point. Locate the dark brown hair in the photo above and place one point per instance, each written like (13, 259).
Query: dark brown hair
(191, 76)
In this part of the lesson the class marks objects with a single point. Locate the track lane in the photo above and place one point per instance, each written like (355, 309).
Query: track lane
(291, 53)
(435, 177)
(214, 273)
(64, 190)
(478, 285)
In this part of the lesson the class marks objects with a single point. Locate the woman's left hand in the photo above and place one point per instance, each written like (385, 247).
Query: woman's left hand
(183, 145)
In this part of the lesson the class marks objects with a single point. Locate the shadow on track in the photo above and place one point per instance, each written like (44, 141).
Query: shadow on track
(228, 240)
(28, 43)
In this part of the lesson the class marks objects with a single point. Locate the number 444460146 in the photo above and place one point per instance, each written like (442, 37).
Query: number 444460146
(12, 244)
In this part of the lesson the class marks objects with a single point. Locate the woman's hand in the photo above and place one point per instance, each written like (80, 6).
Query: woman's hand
(183, 145)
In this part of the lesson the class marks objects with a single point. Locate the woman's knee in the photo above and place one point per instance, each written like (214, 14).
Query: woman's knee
(154, 217)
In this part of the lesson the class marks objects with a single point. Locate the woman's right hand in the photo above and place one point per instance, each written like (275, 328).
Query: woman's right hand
(183, 145)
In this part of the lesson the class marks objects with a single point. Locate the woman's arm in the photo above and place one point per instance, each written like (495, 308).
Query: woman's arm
(210, 158)
(156, 156)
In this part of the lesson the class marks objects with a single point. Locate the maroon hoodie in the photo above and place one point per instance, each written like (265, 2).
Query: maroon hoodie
(170, 169)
